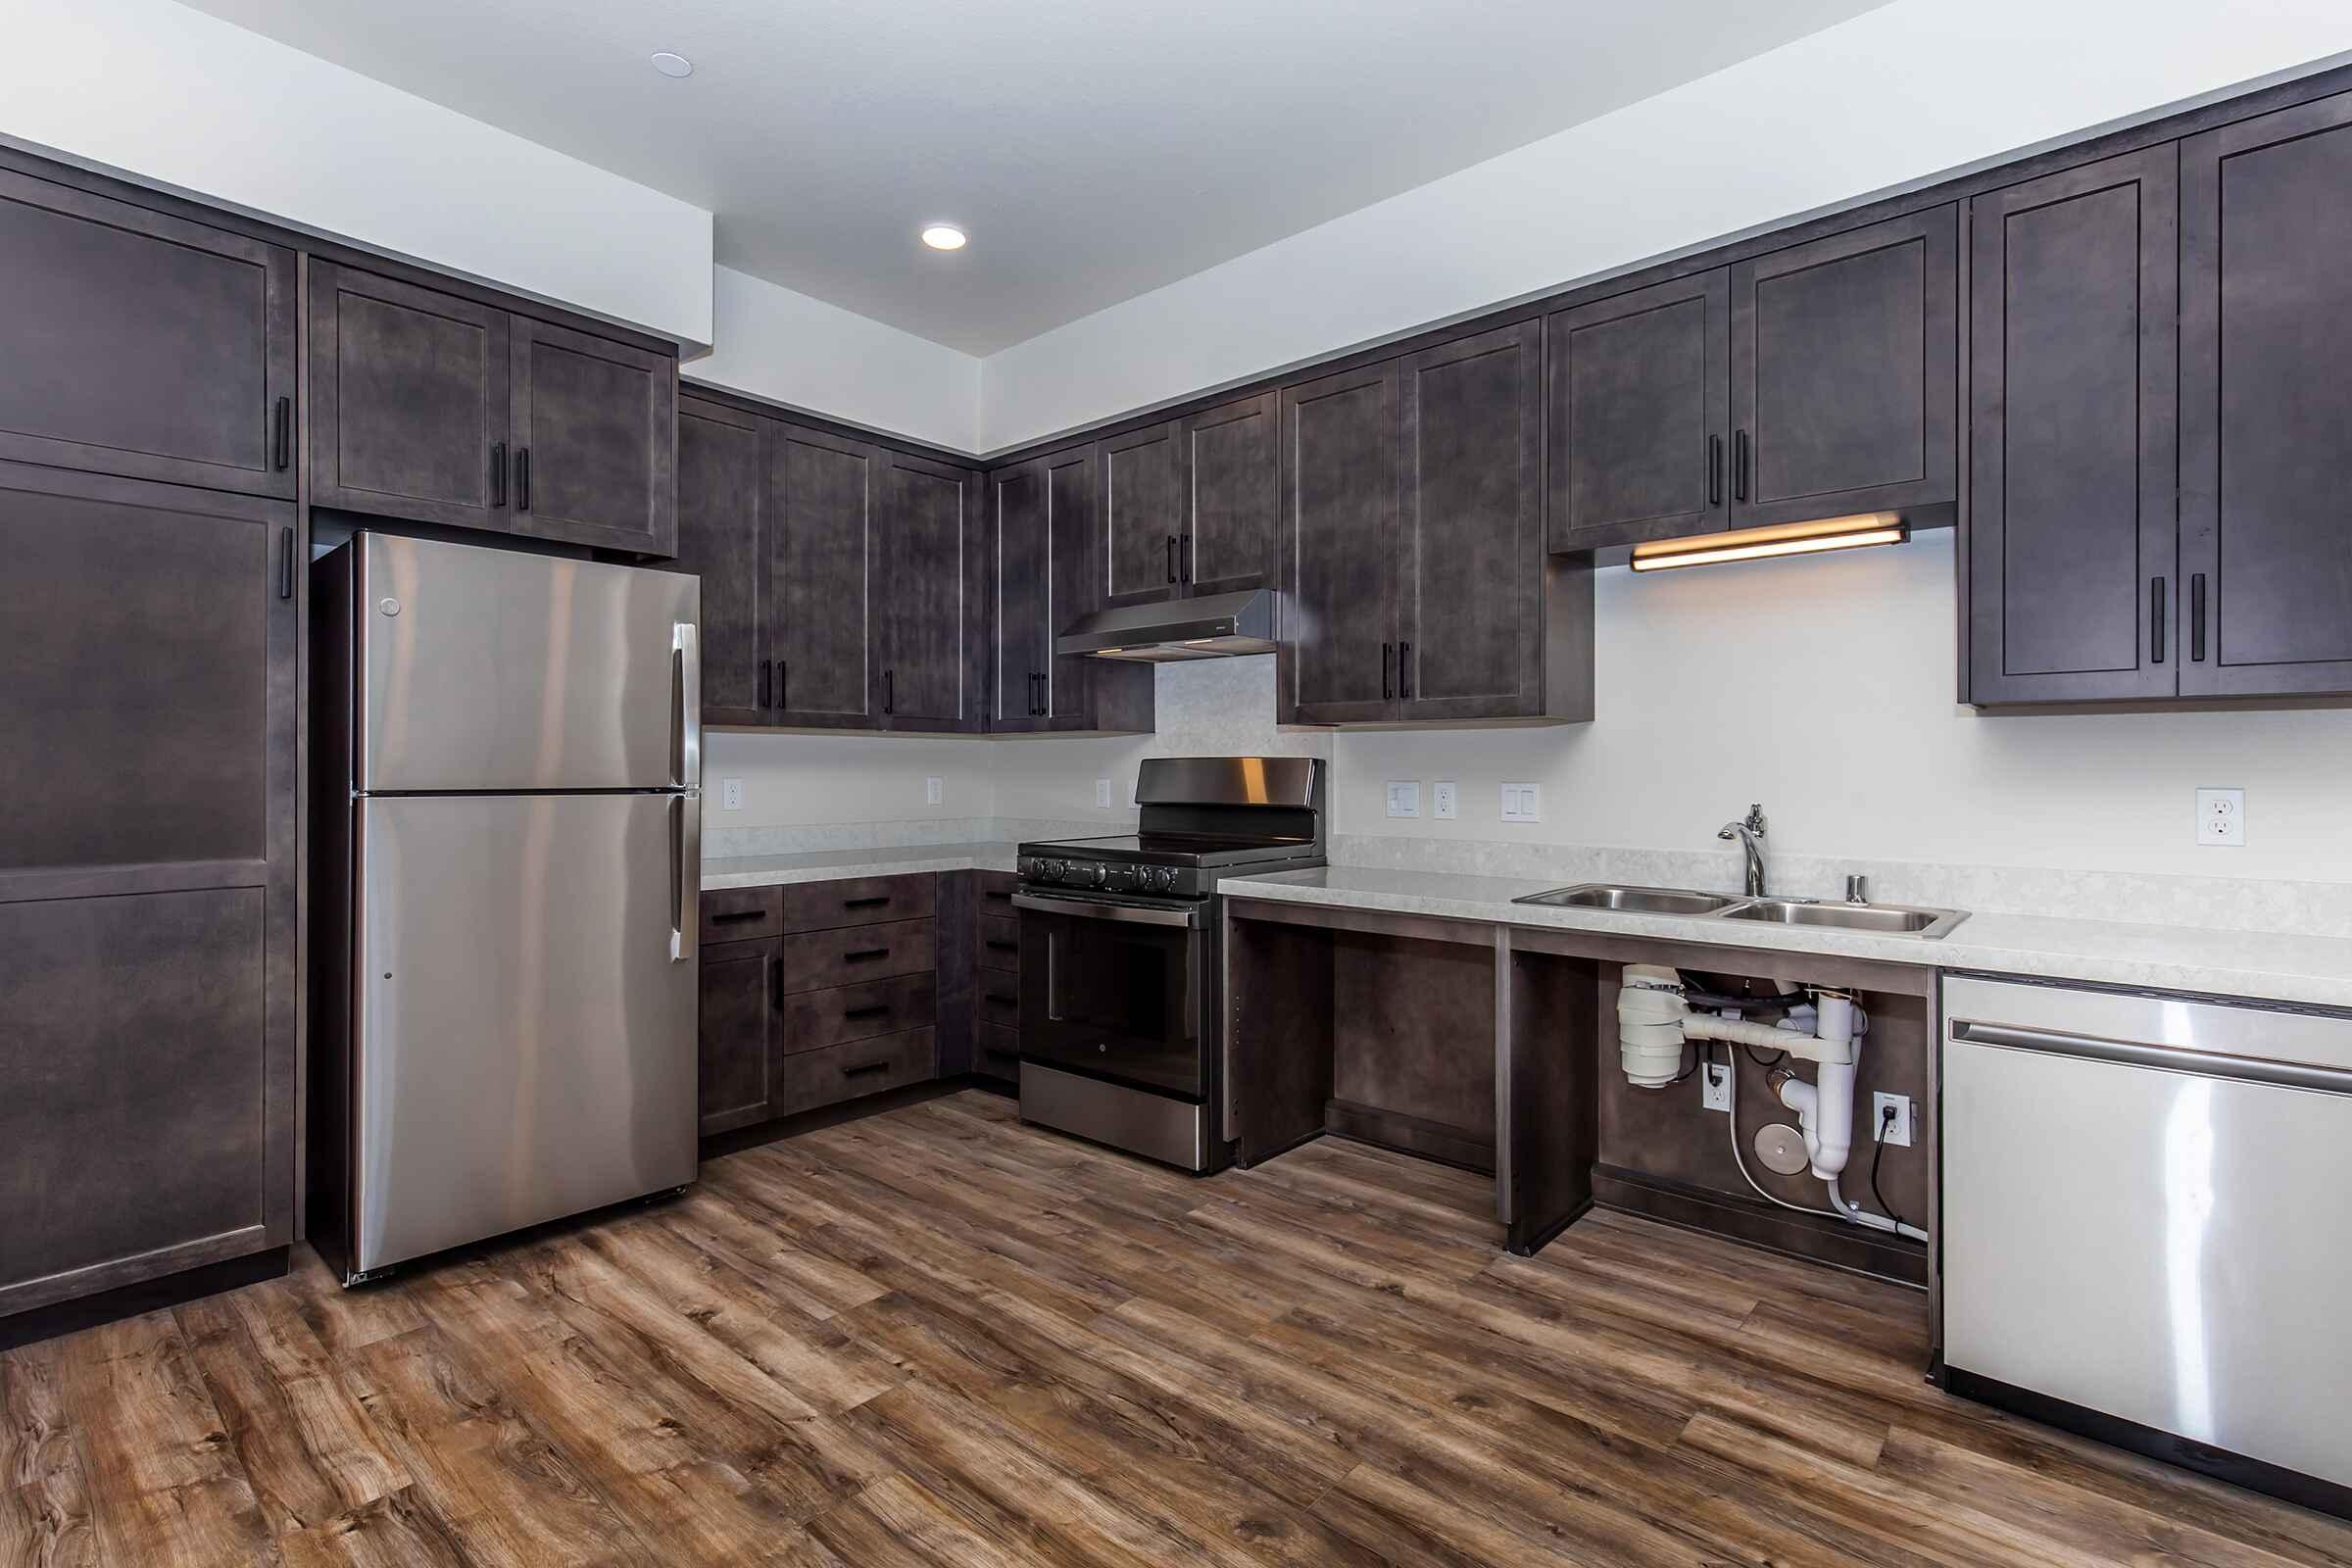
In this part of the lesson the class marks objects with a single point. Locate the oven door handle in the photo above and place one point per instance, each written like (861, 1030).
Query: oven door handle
(1095, 909)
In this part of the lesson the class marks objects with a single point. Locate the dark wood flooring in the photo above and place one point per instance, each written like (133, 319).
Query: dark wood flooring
(934, 1337)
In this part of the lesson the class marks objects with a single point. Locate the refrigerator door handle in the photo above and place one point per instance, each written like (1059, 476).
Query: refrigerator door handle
(686, 648)
(685, 873)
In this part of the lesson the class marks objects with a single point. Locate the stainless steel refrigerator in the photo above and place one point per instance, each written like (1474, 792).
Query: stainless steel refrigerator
(506, 769)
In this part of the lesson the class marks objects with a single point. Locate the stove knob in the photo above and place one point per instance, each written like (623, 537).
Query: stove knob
(1167, 878)
(1098, 875)
(1057, 870)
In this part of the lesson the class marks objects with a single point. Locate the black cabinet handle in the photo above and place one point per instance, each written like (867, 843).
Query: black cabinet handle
(2197, 618)
(285, 563)
(875, 902)
(1404, 671)
(766, 668)
(995, 945)
(863, 1069)
(999, 896)
(783, 683)
(498, 473)
(2155, 620)
(866, 955)
(890, 692)
(775, 981)
(281, 434)
(737, 917)
(1386, 681)
(1171, 557)
(1738, 465)
(1188, 557)
(1714, 471)
(522, 478)
(876, 1010)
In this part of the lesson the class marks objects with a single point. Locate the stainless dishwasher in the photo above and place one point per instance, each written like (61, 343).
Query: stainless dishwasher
(2147, 1225)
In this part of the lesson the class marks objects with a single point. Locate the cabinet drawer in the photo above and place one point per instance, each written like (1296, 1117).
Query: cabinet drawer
(815, 1019)
(996, 890)
(998, 999)
(817, 961)
(862, 901)
(999, 1053)
(827, 1077)
(999, 942)
(739, 914)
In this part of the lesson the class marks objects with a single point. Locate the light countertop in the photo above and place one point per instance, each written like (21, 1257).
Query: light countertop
(838, 865)
(2272, 967)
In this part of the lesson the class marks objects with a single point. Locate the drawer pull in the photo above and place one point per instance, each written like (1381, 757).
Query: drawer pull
(1001, 896)
(878, 1010)
(995, 945)
(875, 902)
(863, 953)
(863, 1069)
(737, 917)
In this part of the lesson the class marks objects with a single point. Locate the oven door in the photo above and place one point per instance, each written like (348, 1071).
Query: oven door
(1117, 990)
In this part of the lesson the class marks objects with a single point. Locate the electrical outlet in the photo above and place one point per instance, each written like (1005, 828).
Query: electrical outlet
(2221, 817)
(1896, 1132)
(1715, 1086)
(1102, 792)
(1404, 797)
(934, 790)
(730, 794)
(1522, 803)
(1442, 804)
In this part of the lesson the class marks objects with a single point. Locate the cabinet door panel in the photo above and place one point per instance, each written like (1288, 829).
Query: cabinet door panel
(1470, 553)
(1340, 508)
(821, 525)
(1022, 588)
(722, 540)
(595, 422)
(135, 1114)
(2266, 417)
(1641, 422)
(737, 1016)
(142, 344)
(1142, 515)
(1232, 504)
(409, 401)
(927, 515)
(1844, 374)
(2073, 389)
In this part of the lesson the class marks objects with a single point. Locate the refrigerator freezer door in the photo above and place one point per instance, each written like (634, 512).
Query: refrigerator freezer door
(526, 1040)
(490, 669)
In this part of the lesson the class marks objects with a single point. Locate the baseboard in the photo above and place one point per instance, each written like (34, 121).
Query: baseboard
(147, 1295)
(1410, 1135)
(719, 1144)
(1815, 1238)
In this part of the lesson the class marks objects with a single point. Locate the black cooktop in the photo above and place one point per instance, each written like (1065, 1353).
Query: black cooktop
(1174, 848)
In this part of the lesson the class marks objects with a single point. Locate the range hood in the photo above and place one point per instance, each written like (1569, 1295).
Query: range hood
(1211, 627)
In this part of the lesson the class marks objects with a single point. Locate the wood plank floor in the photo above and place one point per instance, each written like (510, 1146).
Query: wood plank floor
(937, 1338)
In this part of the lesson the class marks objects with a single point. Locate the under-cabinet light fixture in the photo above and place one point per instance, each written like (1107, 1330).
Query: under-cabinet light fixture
(1778, 539)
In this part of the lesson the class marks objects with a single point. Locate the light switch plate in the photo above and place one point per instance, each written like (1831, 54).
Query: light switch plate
(2221, 817)
(1404, 797)
(1522, 803)
(934, 790)
(1442, 802)
(730, 794)
(1102, 792)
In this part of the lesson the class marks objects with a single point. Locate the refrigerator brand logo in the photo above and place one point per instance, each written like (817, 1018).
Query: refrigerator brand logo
(390, 607)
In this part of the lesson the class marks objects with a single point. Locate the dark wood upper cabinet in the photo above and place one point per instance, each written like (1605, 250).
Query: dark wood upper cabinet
(1043, 574)
(2265, 406)
(1230, 464)
(1844, 362)
(1639, 413)
(2073, 425)
(929, 514)
(1470, 549)
(595, 439)
(723, 539)
(142, 344)
(819, 594)
(409, 401)
(1338, 652)
(1143, 514)
(1020, 572)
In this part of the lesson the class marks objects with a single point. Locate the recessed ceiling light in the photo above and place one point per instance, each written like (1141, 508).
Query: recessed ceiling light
(670, 64)
(942, 236)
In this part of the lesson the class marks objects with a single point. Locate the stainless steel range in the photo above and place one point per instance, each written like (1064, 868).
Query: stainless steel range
(1119, 951)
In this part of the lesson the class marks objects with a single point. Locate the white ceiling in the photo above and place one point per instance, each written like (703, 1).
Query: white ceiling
(1093, 149)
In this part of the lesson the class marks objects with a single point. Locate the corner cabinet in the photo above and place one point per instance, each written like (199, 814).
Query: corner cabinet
(1420, 586)
(930, 596)
(1042, 573)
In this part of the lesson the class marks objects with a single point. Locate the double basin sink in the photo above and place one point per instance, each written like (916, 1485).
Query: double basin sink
(1880, 919)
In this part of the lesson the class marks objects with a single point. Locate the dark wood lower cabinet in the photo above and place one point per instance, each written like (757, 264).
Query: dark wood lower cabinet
(738, 1017)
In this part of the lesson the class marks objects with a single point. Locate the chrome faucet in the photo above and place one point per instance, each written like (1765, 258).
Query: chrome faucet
(1748, 833)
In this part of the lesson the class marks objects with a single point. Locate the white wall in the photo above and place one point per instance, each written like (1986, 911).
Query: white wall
(175, 98)
(776, 343)
(1887, 98)
(811, 780)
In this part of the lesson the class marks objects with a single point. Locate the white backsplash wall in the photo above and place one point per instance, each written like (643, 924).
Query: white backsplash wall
(818, 780)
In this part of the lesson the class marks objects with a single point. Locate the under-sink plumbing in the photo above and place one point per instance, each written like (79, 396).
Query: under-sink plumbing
(1656, 1019)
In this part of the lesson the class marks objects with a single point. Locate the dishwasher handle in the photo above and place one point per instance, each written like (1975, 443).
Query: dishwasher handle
(2165, 1059)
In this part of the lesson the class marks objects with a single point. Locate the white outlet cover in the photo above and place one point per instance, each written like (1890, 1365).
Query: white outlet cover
(1443, 803)
(730, 794)
(1102, 792)
(934, 790)
(1522, 803)
(1404, 797)
(1715, 1086)
(2221, 817)
(1899, 1133)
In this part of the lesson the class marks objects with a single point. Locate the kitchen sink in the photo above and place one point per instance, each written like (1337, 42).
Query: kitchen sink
(1889, 919)
(1633, 900)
